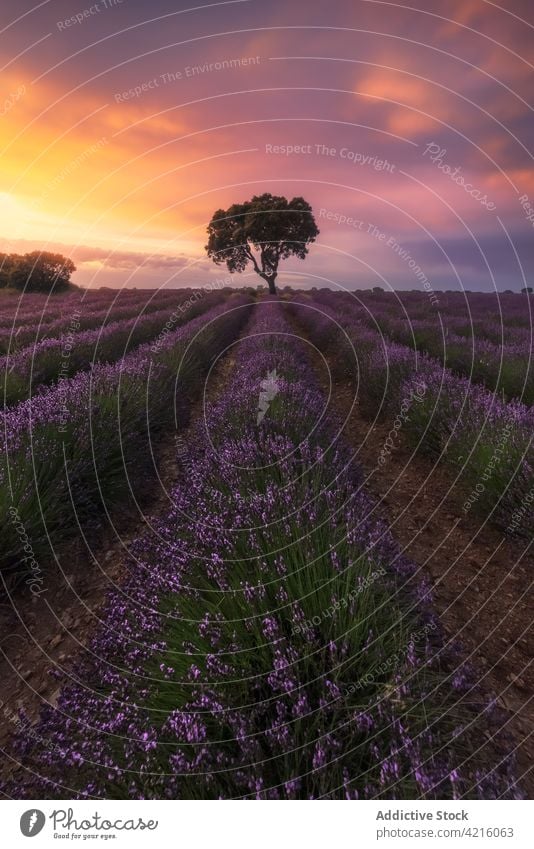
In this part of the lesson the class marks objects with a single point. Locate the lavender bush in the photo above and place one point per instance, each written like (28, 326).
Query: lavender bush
(485, 438)
(69, 450)
(270, 640)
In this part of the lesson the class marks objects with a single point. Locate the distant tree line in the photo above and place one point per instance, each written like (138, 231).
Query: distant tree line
(38, 271)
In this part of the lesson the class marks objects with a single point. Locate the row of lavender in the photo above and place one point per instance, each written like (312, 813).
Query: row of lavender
(51, 359)
(502, 363)
(20, 308)
(26, 310)
(74, 314)
(491, 314)
(270, 640)
(486, 339)
(74, 449)
(487, 440)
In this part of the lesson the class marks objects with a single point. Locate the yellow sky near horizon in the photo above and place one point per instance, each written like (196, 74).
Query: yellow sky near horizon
(82, 165)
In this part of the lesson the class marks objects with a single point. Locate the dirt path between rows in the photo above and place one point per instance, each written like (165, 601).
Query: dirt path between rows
(40, 635)
(481, 582)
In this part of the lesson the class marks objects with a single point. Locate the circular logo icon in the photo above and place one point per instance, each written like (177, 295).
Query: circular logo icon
(32, 822)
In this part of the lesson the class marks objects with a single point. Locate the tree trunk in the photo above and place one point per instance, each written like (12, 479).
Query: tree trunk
(271, 278)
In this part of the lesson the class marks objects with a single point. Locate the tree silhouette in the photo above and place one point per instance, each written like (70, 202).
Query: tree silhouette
(261, 231)
(39, 271)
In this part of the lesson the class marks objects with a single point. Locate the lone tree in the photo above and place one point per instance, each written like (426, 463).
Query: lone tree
(262, 231)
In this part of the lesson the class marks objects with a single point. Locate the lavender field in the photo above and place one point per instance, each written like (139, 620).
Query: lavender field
(255, 546)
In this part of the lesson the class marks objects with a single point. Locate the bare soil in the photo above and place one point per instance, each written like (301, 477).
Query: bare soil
(46, 633)
(481, 581)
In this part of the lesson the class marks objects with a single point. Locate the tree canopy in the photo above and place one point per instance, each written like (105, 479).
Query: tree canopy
(38, 271)
(261, 231)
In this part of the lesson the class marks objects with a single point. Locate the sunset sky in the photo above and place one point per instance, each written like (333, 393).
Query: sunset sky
(123, 130)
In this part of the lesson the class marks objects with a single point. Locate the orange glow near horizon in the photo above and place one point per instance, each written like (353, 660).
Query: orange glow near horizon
(107, 151)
